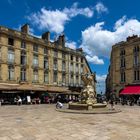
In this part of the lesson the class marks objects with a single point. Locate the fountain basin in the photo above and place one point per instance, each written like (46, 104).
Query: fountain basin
(79, 106)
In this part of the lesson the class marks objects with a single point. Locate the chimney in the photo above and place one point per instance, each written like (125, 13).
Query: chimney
(131, 37)
(61, 40)
(79, 49)
(25, 29)
(46, 36)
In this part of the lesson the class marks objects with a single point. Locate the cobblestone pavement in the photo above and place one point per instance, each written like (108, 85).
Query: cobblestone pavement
(43, 122)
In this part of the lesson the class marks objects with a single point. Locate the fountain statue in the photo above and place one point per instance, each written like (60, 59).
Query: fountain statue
(88, 95)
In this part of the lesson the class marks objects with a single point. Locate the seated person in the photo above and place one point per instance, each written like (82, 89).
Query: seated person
(59, 104)
(19, 101)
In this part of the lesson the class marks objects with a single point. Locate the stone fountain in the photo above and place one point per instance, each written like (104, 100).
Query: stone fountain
(88, 99)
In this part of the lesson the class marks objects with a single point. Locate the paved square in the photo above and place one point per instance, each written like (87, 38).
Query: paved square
(42, 122)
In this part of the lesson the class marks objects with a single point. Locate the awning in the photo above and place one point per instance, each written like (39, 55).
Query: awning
(131, 90)
(33, 87)
(57, 89)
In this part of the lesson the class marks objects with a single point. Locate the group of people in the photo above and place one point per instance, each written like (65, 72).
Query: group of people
(130, 101)
(26, 100)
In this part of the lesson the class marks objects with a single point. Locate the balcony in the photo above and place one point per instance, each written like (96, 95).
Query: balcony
(11, 61)
(122, 67)
(55, 68)
(35, 66)
(46, 67)
(77, 72)
(35, 81)
(63, 69)
(136, 65)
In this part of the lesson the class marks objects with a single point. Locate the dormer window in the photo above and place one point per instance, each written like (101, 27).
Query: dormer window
(122, 53)
(136, 49)
(11, 41)
(23, 45)
(35, 48)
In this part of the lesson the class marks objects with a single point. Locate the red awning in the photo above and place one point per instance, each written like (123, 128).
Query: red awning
(131, 90)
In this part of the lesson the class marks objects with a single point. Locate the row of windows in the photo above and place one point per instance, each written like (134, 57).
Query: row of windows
(11, 76)
(135, 50)
(136, 61)
(35, 49)
(11, 58)
(136, 76)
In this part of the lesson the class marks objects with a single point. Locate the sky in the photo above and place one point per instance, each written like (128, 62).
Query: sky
(94, 25)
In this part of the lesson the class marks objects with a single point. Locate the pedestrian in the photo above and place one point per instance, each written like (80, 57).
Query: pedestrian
(19, 101)
(112, 104)
(59, 105)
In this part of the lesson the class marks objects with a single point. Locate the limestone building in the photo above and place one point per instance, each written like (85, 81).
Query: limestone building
(29, 64)
(124, 66)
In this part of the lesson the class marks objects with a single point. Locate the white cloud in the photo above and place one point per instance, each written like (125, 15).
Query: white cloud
(51, 20)
(120, 22)
(74, 11)
(100, 8)
(71, 44)
(98, 41)
(54, 20)
(94, 60)
(100, 86)
(100, 78)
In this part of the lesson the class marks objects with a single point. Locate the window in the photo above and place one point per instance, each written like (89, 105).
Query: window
(136, 60)
(35, 48)
(136, 49)
(63, 66)
(71, 79)
(46, 62)
(136, 75)
(122, 76)
(23, 74)
(122, 62)
(82, 68)
(71, 67)
(82, 83)
(71, 58)
(55, 53)
(77, 69)
(63, 56)
(35, 75)
(82, 60)
(77, 79)
(23, 45)
(11, 56)
(35, 60)
(45, 51)
(23, 58)
(46, 77)
(11, 73)
(55, 76)
(11, 41)
(122, 52)
(55, 64)
(63, 78)
(77, 59)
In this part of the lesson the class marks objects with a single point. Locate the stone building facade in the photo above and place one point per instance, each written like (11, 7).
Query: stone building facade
(124, 66)
(28, 63)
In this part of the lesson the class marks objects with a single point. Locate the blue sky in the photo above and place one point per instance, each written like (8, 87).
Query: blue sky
(94, 25)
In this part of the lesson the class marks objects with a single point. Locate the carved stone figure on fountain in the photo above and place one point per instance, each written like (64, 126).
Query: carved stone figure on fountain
(88, 95)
